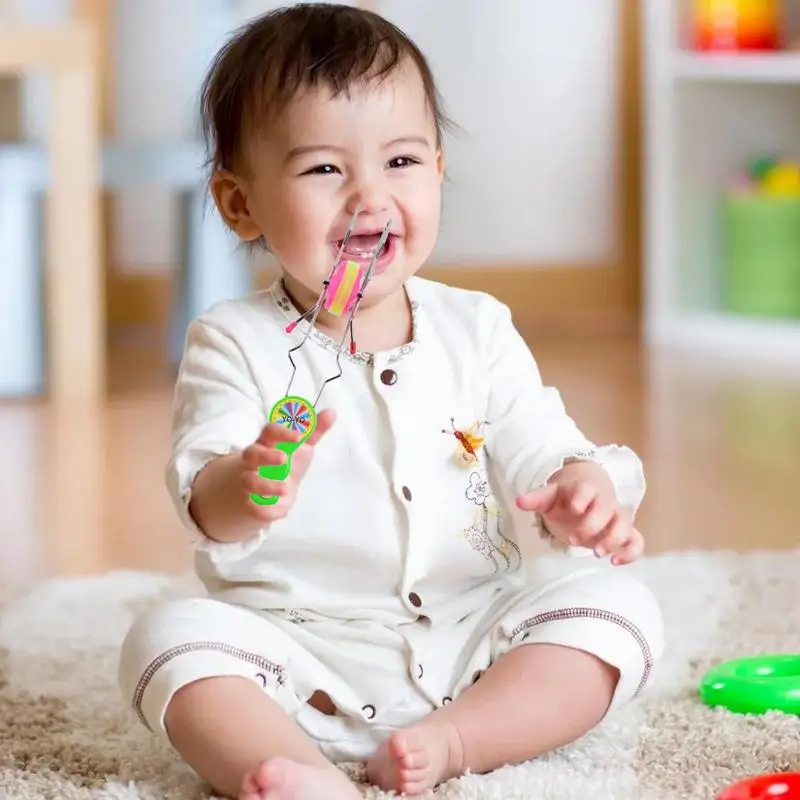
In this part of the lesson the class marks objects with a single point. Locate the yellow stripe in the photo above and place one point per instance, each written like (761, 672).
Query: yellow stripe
(345, 288)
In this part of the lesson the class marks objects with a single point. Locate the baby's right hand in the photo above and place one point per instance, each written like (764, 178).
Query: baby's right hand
(264, 452)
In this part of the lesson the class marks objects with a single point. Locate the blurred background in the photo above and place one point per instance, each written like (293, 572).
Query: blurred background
(625, 175)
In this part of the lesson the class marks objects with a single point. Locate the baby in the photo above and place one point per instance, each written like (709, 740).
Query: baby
(382, 610)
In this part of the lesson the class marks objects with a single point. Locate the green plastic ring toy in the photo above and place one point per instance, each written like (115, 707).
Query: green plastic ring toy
(755, 685)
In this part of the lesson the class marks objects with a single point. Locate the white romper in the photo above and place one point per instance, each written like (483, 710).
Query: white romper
(400, 574)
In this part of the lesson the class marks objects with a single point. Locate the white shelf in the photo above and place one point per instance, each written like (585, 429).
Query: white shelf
(761, 340)
(777, 68)
(707, 115)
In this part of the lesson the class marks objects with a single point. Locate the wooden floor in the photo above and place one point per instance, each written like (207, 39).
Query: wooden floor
(82, 493)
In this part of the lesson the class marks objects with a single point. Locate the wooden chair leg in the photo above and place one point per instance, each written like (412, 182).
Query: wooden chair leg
(76, 335)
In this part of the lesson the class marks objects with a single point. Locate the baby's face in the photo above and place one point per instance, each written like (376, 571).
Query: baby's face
(324, 157)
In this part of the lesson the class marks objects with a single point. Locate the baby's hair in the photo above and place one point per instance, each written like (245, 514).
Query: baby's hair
(267, 61)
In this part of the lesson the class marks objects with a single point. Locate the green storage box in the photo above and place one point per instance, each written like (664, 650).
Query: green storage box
(761, 255)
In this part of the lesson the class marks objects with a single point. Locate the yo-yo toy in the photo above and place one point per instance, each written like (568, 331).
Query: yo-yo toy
(755, 685)
(776, 786)
(341, 293)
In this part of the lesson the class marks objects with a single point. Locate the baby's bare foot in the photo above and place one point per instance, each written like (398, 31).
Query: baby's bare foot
(284, 779)
(416, 759)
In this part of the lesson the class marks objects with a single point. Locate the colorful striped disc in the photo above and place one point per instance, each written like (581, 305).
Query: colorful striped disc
(296, 414)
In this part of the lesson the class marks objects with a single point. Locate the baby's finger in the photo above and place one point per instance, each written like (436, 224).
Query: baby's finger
(541, 500)
(594, 522)
(614, 536)
(257, 455)
(271, 513)
(631, 551)
(578, 497)
(325, 420)
(274, 433)
(253, 483)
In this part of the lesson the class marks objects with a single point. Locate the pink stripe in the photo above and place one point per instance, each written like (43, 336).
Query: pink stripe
(336, 280)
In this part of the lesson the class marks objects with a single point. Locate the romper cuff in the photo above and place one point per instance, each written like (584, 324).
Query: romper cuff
(228, 552)
(557, 463)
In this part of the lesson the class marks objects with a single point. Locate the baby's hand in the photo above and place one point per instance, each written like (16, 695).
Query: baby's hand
(580, 508)
(264, 452)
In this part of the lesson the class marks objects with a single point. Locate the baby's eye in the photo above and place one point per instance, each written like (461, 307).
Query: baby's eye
(322, 169)
(401, 162)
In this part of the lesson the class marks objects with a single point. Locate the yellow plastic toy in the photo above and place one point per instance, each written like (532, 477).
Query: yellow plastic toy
(782, 180)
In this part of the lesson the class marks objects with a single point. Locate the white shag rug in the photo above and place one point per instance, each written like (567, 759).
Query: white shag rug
(65, 734)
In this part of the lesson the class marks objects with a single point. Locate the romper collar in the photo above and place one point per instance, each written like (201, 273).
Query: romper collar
(284, 303)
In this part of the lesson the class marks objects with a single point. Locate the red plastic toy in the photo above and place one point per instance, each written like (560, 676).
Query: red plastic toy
(779, 786)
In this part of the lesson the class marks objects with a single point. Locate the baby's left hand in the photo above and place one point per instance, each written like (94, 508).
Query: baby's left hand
(580, 508)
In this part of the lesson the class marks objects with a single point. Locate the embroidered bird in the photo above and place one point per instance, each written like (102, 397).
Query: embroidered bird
(469, 441)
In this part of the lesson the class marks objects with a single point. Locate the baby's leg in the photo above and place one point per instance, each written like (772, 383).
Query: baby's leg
(245, 745)
(209, 678)
(589, 643)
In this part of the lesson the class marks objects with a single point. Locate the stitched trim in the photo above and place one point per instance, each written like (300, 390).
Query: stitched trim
(288, 309)
(190, 647)
(595, 613)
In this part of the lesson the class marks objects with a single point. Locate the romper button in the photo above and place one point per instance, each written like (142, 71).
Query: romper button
(420, 671)
(446, 700)
(369, 711)
(407, 493)
(415, 600)
(389, 377)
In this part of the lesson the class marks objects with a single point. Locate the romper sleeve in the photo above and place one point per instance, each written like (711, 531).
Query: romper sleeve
(530, 434)
(217, 410)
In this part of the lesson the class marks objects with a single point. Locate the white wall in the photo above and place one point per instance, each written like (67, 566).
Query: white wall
(532, 176)
(154, 74)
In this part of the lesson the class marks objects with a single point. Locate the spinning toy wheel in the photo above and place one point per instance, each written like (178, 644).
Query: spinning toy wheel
(296, 414)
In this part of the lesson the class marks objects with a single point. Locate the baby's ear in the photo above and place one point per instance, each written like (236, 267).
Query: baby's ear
(440, 162)
(231, 201)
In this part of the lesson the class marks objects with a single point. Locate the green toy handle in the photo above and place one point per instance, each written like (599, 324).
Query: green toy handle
(276, 472)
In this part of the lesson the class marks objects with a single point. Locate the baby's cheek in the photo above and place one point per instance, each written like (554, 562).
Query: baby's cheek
(427, 215)
(299, 238)
(422, 232)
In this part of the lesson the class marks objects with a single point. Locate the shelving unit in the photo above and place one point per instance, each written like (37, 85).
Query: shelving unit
(706, 115)
(780, 68)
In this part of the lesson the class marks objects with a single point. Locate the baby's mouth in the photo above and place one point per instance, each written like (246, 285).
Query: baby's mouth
(362, 246)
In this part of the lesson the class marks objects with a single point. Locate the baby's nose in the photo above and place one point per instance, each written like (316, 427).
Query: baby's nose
(369, 199)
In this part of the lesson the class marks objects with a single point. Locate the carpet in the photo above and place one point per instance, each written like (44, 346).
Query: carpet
(65, 734)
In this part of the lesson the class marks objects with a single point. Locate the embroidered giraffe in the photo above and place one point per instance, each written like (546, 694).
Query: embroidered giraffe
(493, 546)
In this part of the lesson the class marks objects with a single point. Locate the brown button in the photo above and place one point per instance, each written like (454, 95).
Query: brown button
(407, 493)
(389, 377)
(415, 600)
